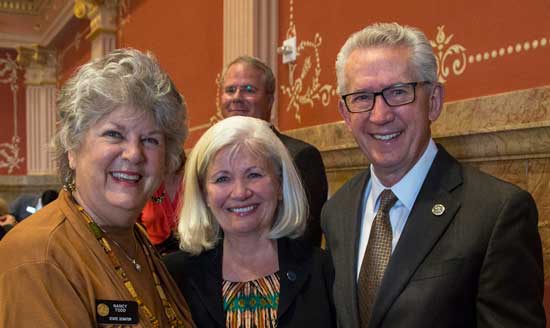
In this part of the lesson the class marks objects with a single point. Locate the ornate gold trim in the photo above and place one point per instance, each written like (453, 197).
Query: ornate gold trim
(82, 8)
(443, 51)
(20, 7)
(35, 54)
(305, 89)
(509, 50)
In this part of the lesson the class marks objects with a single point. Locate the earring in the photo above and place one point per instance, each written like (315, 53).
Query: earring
(158, 199)
(69, 185)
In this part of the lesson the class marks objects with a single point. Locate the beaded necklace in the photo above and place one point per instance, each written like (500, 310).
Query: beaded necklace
(98, 233)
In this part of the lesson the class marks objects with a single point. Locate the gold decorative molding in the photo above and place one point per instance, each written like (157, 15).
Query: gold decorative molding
(305, 88)
(39, 63)
(101, 13)
(23, 7)
(443, 51)
(509, 50)
(84, 8)
(9, 151)
(103, 24)
(35, 54)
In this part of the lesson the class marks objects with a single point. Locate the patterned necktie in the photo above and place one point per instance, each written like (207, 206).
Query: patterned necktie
(376, 257)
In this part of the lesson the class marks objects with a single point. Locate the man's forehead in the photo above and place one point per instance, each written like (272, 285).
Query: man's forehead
(243, 70)
(378, 67)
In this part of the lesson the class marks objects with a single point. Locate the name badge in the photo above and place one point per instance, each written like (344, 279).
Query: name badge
(116, 312)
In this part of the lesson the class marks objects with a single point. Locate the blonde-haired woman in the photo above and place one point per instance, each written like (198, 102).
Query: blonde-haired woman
(244, 205)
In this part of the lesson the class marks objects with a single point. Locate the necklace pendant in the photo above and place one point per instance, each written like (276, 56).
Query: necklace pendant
(136, 265)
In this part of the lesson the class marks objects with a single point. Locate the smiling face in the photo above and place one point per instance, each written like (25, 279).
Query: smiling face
(118, 165)
(242, 191)
(244, 93)
(392, 138)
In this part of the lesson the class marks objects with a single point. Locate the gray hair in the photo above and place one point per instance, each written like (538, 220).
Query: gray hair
(123, 77)
(390, 35)
(198, 228)
(269, 78)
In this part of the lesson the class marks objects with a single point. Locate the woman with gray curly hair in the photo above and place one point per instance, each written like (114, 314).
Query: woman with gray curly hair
(82, 261)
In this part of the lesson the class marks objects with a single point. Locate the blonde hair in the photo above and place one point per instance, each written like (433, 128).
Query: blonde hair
(198, 228)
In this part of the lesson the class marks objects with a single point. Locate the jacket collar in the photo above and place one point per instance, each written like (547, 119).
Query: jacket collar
(422, 230)
(295, 267)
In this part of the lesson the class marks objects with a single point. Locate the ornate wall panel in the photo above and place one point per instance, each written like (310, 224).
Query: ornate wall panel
(483, 48)
(12, 111)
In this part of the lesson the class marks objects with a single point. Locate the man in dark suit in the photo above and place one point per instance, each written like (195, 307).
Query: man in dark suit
(248, 89)
(450, 246)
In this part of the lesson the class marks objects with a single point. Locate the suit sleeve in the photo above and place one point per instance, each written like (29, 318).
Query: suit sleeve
(328, 273)
(35, 293)
(511, 280)
(312, 170)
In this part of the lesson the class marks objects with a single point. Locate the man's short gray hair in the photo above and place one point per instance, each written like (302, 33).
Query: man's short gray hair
(390, 35)
(269, 78)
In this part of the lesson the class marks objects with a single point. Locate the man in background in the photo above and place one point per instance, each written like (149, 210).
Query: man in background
(7, 221)
(23, 207)
(418, 239)
(248, 89)
(27, 204)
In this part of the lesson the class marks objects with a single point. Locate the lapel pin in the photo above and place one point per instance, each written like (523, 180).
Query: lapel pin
(291, 275)
(438, 209)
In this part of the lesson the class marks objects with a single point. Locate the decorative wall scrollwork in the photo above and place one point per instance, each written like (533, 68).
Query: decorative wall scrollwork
(444, 52)
(306, 88)
(9, 151)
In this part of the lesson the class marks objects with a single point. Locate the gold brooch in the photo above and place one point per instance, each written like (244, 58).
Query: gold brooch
(438, 209)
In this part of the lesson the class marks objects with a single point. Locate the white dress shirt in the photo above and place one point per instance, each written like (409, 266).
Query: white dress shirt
(406, 191)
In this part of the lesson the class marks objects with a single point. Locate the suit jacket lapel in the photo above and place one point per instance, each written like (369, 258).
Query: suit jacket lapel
(351, 225)
(294, 272)
(206, 279)
(421, 232)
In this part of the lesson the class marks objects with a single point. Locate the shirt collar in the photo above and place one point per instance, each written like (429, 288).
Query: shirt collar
(409, 186)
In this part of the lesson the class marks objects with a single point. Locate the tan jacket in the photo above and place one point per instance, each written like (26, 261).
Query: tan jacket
(52, 271)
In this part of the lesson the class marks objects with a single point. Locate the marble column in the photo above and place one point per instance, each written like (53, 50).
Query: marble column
(250, 27)
(40, 81)
(103, 24)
